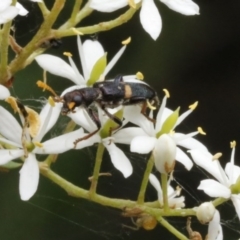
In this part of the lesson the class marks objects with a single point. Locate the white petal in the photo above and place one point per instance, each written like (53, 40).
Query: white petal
(92, 51)
(214, 189)
(183, 158)
(14, 144)
(107, 5)
(8, 14)
(150, 18)
(133, 114)
(4, 4)
(236, 202)
(126, 135)
(177, 202)
(205, 161)
(189, 143)
(9, 127)
(8, 155)
(215, 228)
(48, 117)
(4, 92)
(114, 60)
(81, 80)
(81, 118)
(119, 159)
(142, 144)
(36, 0)
(159, 120)
(164, 154)
(56, 66)
(22, 10)
(73, 136)
(155, 183)
(186, 7)
(232, 172)
(29, 177)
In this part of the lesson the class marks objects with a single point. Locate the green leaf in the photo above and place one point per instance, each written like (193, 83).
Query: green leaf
(110, 124)
(169, 123)
(97, 70)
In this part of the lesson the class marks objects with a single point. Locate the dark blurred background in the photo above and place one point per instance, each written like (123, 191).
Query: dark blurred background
(197, 59)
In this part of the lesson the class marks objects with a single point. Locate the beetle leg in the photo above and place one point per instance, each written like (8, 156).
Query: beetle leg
(143, 112)
(113, 118)
(143, 101)
(95, 120)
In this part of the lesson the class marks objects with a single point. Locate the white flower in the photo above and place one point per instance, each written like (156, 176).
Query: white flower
(160, 137)
(8, 12)
(90, 52)
(92, 57)
(11, 133)
(225, 178)
(149, 15)
(174, 200)
(124, 136)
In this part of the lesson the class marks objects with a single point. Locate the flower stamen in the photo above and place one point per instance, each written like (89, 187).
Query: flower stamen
(44, 86)
(139, 76)
(126, 41)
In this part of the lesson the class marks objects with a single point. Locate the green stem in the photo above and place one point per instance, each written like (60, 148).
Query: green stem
(171, 229)
(43, 33)
(165, 192)
(103, 26)
(141, 195)
(219, 201)
(78, 192)
(85, 11)
(76, 8)
(96, 170)
(4, 43)
(45, 11)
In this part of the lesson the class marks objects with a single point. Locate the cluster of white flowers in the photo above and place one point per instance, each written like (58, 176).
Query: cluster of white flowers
(149, 16)
(159, 138)
(24, 141)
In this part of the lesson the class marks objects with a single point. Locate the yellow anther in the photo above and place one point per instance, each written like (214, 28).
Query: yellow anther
(132, 4)
(178, 190)
(150, 106)
(38, 144)
(200, 130)
(216, 156)
(193, 106)
(51, 101)
(68, 54)
(71, 105)
(45, 86)
(233, 144)
(127, 41)
(166, 93)
(76, 31)
(139, 76)
(34, 121)
(13, 103)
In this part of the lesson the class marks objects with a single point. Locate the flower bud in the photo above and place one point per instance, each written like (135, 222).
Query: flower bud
(164, 154)
(205, 212)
